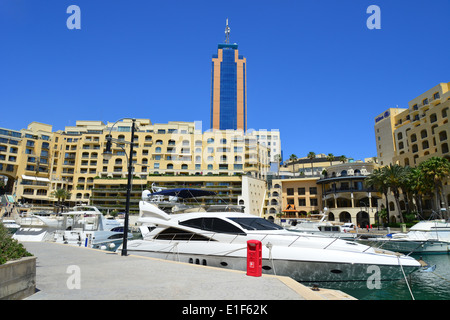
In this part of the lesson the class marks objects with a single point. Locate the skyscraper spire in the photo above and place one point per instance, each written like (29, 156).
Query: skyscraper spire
(227, 33)
(228, 87)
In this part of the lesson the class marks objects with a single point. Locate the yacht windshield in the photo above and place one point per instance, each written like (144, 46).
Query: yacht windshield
(256, 224)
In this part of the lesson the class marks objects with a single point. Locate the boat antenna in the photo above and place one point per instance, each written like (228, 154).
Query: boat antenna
(227, 33)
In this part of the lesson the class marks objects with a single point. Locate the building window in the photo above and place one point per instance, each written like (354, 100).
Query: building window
(444, 148)
(313, 190)
(290, 191)
(423, 134)
(302, 202)
(433, 118)
(313, 202)
(301, 191)
(443, 135)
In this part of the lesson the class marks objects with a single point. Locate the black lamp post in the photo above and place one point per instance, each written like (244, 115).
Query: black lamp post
(108, 154)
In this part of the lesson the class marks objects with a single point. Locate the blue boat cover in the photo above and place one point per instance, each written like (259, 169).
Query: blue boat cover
(184, 193)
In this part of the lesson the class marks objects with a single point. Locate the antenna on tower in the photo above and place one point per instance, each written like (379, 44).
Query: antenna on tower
(227, 33)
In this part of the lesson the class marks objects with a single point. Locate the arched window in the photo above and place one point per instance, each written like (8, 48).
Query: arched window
(423, 134)
(433, 118)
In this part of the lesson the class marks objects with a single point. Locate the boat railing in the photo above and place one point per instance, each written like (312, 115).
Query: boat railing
(175, 237)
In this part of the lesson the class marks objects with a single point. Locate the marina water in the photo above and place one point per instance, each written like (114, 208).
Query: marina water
(433, 285)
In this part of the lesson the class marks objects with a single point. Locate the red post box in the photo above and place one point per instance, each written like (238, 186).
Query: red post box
(254, 258)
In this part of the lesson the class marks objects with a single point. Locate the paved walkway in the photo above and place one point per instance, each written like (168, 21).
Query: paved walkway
(60, 269)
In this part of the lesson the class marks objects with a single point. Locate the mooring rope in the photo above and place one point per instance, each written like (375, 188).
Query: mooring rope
(404, 275)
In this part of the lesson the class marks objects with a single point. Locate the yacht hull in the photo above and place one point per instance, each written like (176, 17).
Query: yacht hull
(301, 264)
(411, 246)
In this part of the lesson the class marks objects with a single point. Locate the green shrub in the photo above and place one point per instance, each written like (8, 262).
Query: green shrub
(10, 249)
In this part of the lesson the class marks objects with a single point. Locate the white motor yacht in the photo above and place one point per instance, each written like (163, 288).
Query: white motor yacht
(217, 236)
(432, 236)
(320, 227)
(10, 225)
(38, 226)
(86, 226)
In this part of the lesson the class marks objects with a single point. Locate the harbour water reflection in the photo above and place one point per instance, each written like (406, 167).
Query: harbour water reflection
(424, 285)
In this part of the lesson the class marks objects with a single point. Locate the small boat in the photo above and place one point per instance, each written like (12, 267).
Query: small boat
(217, 235)
(320, 227)
(431, 236)
(37, 227)
(86, 226)
(10, 225)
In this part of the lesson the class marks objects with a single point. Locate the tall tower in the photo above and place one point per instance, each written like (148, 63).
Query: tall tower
(228, 87)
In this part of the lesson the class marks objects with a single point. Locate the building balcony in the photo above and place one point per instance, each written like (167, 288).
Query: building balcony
(326, 179)
(435, 100)
(348, 190)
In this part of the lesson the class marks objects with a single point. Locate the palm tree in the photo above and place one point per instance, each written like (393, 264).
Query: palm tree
(311, 156)
(437, 170)
(419, 186)
(343, 158)
(61, 195)
(377, 181)
(395, 176)
(292, 158)
(330, 157)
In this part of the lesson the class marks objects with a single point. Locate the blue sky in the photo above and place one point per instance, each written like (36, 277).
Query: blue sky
(314, 70)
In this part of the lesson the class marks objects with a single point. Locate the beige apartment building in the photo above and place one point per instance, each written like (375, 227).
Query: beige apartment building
(410, 136)
(38, 161)
(339, 193)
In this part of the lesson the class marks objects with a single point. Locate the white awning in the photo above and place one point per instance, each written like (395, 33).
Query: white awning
(24, 177)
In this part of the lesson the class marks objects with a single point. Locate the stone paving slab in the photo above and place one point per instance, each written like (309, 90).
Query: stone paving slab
(65, 272)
